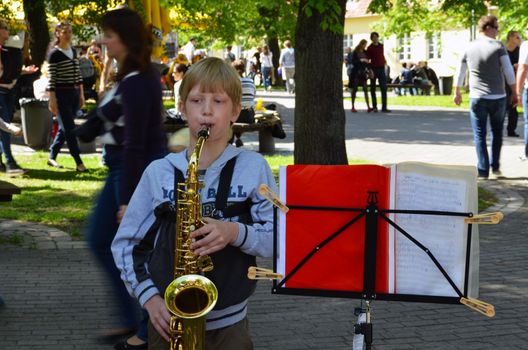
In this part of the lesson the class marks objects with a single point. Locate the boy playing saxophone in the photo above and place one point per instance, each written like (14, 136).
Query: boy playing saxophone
(238, 220)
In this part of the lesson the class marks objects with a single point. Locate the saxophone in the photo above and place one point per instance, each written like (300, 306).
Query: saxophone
(190, 296)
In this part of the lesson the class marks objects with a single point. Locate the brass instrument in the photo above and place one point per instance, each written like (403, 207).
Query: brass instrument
(190, 296)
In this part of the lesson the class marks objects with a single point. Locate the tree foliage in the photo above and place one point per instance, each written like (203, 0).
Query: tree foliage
(406, 16)
(239, 21)
(402, 17)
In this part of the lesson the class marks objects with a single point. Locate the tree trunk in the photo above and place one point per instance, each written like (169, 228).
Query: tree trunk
(35, 12)
(319, 114)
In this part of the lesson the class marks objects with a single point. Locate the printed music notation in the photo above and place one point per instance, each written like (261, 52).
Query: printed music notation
(443, 235)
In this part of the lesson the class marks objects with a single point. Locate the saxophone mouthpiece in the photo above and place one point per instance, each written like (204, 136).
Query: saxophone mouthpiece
(204, 132)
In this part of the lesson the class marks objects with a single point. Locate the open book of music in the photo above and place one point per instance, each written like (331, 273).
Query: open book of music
(320, 246)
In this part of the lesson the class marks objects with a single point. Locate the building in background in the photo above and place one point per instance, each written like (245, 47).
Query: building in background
(442, 50)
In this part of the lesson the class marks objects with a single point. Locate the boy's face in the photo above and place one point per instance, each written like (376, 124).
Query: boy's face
(213, 109)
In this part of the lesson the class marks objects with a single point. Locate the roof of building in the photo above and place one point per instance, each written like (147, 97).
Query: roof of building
(358, 8)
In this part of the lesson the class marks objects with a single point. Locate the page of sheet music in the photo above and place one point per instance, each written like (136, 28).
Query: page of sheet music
(444, 236)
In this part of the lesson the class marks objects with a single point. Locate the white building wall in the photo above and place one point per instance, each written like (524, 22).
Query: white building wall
(453, 44)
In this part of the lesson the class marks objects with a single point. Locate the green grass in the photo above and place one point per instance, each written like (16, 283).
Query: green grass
(443, 101)
(485, 199)
(15, 239)
(60, 198)
(63, 198)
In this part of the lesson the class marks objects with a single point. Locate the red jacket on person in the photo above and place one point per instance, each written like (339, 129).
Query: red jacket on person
(376, 56)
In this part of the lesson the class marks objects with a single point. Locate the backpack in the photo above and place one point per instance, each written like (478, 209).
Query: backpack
(87, 68)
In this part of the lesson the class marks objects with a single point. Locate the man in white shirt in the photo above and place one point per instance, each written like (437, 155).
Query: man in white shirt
(188, 49)
(287, 64)
(522, 89)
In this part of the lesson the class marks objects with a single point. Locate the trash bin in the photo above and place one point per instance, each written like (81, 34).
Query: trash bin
(36, 122)
(446, 85)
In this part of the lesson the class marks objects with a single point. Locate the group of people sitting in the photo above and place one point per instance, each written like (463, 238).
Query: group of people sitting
(247, 114)
(421, 76)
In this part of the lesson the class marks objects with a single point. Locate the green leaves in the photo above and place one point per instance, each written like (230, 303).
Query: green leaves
(406, 16)
(330, 10)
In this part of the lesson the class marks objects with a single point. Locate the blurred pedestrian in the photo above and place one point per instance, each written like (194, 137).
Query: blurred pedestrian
(266, 59)
(512, 46)
(488, 65)
(188, 49)
(287, 64)
(377, 63)
(66, 94)
(40, 86)
(522, 88)
(133, 138)
(10, 69)
(177, 75)
(360, 73)
(247, 113)
(229, 56)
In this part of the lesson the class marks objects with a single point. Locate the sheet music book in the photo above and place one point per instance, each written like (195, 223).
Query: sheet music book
(401, 266)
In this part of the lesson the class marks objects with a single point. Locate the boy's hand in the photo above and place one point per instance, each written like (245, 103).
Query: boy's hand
(215, 235)
(159, 315)
(121, 212)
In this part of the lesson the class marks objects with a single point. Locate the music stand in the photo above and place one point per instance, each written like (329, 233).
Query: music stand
(368, 293)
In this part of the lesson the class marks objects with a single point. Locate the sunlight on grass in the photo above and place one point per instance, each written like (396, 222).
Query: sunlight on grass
(443, 101)
(61, 198)
(64, 199)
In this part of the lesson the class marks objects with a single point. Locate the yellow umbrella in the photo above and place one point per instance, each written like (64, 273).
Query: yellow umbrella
(157, 18)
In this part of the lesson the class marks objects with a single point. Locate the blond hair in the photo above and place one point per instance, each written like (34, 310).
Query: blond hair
(213, 75)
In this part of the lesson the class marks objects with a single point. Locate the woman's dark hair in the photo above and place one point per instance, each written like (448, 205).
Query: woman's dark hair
(486, 22)
(181, 68)
(362, 45)
(239, 66)
(129, 26)
(60, 26)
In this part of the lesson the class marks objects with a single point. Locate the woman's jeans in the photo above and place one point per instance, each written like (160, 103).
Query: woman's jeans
(379, 74)
(266, 72)
(101, 232)
(7, 108)
(479, 110)
(68, 105)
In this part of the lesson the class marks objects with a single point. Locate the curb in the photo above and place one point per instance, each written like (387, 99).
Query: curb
(509, 200)
(36, 236)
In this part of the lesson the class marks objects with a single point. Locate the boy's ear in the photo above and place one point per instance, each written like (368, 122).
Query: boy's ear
(181, 106)
(236, 112)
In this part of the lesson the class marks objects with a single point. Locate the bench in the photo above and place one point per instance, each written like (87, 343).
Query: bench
(264, 123)
(7, 190)
(409, 86)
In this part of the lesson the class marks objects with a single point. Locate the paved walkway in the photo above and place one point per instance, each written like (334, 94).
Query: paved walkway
(56, 297)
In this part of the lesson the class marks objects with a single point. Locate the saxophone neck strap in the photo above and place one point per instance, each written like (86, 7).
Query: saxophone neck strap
(224, 184)
(222, 210)
(178, 178)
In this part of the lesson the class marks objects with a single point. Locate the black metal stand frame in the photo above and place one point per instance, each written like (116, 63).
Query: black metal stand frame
(371, 213)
